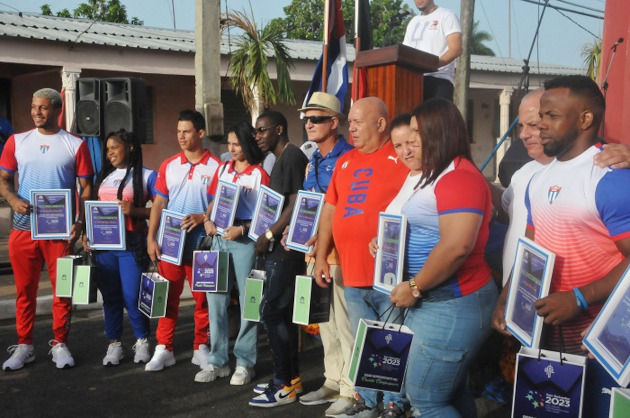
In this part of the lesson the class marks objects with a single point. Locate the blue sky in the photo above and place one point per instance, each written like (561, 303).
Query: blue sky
(560, 42)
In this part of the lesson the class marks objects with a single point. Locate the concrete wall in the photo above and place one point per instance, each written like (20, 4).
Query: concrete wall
(171, 93)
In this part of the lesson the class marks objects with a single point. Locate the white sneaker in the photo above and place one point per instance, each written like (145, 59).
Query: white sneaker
(211, 372)
(20, 355)
(320, 396)
(338, 407)
(60, 355)
(200, 356)
(242, 375)
(142, 350)
(161, 358)
(114, 354)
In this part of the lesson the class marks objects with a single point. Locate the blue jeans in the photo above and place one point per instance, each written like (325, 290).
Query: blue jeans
(371, 304)
(242, 257)
(118, 278)
(447, 337)
(276, 315)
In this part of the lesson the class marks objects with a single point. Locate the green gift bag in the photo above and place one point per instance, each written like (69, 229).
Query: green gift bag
(65, 275)
(620, 403)
(84, 286)
(379, 357)
(210, 271)
(311, 303)
(153, 294)
(253, 295)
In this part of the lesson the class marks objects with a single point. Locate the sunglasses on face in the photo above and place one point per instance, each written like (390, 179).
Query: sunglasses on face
(261, 129)
(316, 119)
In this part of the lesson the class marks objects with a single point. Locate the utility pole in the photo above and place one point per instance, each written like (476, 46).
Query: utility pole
(462, 74)
(207, 68)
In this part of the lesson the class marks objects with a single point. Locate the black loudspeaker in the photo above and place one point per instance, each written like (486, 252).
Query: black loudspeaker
(88, 107)
(124, 103)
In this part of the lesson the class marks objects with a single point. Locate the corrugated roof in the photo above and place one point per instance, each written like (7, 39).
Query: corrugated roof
(83, 31)
(513, 65)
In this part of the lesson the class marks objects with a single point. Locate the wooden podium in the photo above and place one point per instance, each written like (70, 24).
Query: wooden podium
(395, 74)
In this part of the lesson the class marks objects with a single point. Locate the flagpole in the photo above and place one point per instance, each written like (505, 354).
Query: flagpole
(357, 48)
(325, 51)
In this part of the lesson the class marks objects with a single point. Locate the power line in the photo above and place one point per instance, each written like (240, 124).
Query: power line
(581, 6)
(8, 5)
(538, 3)
(494, 38)
(576, 23)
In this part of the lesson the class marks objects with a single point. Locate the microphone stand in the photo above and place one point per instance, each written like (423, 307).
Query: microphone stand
(605, 82)
(522, 85)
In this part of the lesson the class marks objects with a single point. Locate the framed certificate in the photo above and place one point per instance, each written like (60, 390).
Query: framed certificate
(224, 207)
(266, 213)
(390, 257)
(305, 220)
(531, 277)
(609, 337)
(171, 237)
(51, 216)
(105, 225)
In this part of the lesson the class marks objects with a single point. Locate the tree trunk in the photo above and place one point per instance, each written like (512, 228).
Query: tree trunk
(256, 109)
(462, 74)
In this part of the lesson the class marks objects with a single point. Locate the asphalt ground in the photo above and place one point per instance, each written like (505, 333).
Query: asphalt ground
(90, 389)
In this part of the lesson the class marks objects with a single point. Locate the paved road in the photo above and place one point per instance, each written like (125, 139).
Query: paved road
(89, 389)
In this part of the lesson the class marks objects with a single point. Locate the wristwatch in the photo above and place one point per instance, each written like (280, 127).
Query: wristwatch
(415, 291)
(269, 235)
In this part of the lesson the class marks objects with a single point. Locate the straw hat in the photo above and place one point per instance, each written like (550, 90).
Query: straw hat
(324, 101)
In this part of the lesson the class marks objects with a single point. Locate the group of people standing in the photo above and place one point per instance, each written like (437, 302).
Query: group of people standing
(359, 182)
(419, 165)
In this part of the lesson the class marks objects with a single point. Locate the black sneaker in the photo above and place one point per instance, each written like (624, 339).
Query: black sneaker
(392, 410)
(359, 410)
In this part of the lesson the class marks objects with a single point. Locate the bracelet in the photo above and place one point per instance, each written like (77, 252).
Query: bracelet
(207, 220)
(579, 298)
(243, 230)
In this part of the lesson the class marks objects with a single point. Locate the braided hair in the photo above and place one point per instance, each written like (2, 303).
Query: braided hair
(131, 142)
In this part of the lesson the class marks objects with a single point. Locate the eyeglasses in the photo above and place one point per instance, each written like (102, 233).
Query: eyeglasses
(316, 119)
(261, 129)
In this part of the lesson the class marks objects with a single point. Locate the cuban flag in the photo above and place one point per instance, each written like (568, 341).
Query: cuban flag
(337, 68)
(553, 193)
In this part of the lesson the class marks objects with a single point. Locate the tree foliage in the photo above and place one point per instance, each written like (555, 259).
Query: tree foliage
(99, 10)
(248, 64)
(477, 40)
(592, 55)
(304, 19)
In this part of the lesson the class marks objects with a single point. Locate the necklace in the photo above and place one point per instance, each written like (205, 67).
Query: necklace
(282, 152)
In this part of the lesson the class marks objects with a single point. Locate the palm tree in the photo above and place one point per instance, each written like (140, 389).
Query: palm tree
(248, 64)
(477, 39)
(592, 55)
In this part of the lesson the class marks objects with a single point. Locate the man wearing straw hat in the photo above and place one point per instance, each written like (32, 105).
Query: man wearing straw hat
(321, 121)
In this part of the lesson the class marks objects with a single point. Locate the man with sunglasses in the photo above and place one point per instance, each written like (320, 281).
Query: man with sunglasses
(321, 121)
(281, 266)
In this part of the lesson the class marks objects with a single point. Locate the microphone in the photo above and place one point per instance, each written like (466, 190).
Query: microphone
(616, 44)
